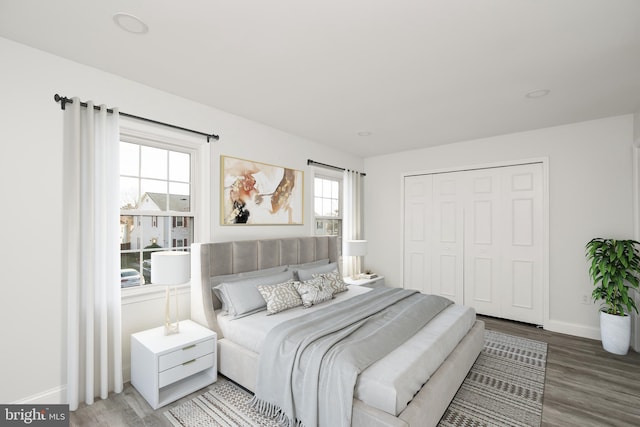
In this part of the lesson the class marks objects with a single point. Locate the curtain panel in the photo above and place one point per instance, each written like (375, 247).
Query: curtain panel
(353, 222)
(91, 252)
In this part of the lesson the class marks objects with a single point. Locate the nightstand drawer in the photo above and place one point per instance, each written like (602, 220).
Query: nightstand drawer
(186, 369)
(185, 354)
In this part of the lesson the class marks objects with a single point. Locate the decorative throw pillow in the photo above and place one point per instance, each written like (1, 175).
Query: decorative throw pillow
(313, 292)
(333, 280)
(280, 297)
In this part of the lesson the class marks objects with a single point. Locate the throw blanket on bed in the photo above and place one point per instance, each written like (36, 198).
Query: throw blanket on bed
(309, 365)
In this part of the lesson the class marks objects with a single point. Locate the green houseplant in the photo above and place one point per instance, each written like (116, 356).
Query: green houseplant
(615, 267)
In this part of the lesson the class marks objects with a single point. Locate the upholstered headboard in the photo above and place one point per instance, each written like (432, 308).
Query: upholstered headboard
(217, 259)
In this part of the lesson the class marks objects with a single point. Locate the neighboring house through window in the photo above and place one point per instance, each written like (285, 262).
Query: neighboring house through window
(156, 204)
(327, 205)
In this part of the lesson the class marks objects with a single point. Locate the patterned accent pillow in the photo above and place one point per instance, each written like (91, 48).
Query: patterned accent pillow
(314, 292)
(333, 280)
(280, 297)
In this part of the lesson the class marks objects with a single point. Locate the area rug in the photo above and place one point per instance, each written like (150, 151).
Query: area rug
(503, 388)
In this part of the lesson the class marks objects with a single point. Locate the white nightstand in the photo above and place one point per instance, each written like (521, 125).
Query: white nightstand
(166, 368)
(369, 283)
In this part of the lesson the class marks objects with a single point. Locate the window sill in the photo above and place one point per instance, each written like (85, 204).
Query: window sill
(149, 293)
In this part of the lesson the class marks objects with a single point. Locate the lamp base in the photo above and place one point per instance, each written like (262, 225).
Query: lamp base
(171, 328)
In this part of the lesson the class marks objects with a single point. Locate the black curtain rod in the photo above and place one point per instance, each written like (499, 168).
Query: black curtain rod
(324, 165)
(63, 100)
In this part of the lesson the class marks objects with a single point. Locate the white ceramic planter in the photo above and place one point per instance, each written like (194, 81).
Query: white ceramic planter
(615, 332)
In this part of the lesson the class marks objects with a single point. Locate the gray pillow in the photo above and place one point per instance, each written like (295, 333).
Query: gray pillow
(242, 296)
(307, 274)
(311, 264)
(306, 266)
(218, 301)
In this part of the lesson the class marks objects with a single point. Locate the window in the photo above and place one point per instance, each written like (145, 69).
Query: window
(327, 202)
(156, 205)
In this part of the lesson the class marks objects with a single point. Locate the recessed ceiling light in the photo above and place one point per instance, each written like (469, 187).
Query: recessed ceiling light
(538, 93)
(130, 23)
(365, 133)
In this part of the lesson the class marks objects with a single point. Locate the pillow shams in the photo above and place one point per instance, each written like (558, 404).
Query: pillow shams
(280, 296)
(333, 281)
(214, 281)
(242, 296)
(311, 264)
(313, 292)
(307, 273)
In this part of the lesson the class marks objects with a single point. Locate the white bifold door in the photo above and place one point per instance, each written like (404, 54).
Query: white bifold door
(476, 237)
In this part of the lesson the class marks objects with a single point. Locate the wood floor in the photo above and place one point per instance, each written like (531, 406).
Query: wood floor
(584, 386)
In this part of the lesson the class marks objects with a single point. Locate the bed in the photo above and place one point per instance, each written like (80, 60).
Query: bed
(380, 395)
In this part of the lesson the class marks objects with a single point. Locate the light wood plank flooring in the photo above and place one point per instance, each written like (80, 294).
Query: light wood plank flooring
(584, 386)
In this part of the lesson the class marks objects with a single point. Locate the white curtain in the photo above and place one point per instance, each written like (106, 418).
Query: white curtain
(352, 222)
(91, 252)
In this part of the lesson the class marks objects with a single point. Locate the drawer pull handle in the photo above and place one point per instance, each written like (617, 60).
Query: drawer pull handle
(190, 361)
(189, 347)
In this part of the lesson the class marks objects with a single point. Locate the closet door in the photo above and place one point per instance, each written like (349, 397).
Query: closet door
(483, 241)
(418, 232)
(476, 237)
(522, 281)
(447, 242)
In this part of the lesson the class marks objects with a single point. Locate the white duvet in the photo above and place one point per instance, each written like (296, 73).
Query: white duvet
(390, 383)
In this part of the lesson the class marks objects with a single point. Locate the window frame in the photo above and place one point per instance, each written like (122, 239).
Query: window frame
(331, 176)
(161, 137)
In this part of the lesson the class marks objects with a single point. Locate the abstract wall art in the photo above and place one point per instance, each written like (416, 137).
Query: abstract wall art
(255, 193)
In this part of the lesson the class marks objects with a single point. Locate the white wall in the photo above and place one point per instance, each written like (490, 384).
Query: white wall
(32, 306)
(590, 195)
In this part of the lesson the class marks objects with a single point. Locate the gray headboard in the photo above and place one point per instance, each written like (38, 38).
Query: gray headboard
(216, 259)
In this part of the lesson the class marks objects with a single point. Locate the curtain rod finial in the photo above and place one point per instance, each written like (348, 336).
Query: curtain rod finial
(62, 100)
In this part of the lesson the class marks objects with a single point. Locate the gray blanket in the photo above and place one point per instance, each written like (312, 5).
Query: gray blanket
(308, 366)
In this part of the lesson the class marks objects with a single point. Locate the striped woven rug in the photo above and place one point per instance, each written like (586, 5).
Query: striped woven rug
(503, 388)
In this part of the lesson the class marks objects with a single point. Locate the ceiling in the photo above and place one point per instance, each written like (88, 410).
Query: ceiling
(411, 73)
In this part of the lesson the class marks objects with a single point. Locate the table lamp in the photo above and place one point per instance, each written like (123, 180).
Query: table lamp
(170, 268)
(357, 249)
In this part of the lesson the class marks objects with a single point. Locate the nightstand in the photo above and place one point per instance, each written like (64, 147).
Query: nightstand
(165, 368)
(369, 283)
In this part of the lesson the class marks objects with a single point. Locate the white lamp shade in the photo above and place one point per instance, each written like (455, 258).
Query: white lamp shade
(170, 268)
(355, 248)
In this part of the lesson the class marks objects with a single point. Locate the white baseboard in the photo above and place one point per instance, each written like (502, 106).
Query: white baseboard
(573, 329)
(55, 396)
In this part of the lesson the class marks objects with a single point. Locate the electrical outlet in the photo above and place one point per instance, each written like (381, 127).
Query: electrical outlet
(584, 299)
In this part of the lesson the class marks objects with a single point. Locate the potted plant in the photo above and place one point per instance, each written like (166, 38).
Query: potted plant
(615, 267)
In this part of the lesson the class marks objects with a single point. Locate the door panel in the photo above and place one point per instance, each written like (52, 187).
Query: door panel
(482, 241)
(523, 245)
(448, 246)
(476, 237)
(417, 232)
(483, 280)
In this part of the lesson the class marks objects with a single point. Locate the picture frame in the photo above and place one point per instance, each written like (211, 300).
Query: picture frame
(256, 193)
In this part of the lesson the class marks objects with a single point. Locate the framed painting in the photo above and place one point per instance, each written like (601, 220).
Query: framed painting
(255, 193)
